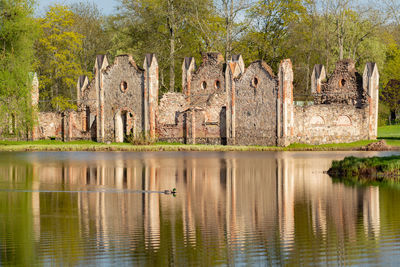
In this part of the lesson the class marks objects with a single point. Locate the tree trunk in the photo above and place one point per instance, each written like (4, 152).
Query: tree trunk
(228, 10)
(171, 24)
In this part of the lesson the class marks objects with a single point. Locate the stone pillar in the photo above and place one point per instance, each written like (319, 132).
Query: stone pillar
(100, 65)
(150, 94)
(193, 126)
(69, 126)
(371, 86)
(190, 123)
(238, 59)
(234, 70)
(81, 85)
(188, 67)
(35, 106)
(318, 75)
(285, 120)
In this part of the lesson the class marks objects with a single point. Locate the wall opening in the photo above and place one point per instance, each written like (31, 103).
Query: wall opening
(342, 83)
(124, 125)
(222, 126)
(217, 84)
(87, 119)
(124, 86)
(254, 82)
(204, 85)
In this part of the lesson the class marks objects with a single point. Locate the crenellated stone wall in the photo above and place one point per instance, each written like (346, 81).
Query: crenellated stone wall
(221, 103)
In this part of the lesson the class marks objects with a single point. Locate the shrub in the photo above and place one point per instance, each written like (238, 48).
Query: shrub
(140, 139)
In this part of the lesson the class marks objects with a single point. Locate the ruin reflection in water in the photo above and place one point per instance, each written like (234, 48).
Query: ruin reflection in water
(231, 208)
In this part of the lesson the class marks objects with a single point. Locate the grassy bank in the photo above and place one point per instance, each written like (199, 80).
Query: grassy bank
(374, 169)
(47, 145)
(390, 133)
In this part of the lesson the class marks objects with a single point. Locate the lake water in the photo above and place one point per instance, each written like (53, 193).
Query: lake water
(258, 208)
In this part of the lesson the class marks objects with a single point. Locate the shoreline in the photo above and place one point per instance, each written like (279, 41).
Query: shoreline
(366, 170)
(22, 146)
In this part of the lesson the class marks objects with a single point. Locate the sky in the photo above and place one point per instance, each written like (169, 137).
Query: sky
(106, 6)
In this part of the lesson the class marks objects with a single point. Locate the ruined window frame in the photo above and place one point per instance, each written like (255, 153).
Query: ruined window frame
(123, 86)
(255, 82)
(204, 85)
(217, 84)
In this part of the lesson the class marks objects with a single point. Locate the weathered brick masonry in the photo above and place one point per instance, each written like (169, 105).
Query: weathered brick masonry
(221, 103)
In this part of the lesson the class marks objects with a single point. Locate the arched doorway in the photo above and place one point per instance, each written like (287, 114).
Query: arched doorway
(124, 121)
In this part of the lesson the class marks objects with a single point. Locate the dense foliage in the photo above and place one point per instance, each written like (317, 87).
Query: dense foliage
(18, 32)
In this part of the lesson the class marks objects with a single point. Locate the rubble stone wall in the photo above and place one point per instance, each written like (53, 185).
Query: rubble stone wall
(123, 85)
(50, 125)
(209, 77)
(256, 96)
(334, 123)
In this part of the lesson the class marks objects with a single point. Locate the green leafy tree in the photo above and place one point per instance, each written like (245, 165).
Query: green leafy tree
(18, 31)
(171, 29)
(92, 25)
(58, 51)
(269, 32)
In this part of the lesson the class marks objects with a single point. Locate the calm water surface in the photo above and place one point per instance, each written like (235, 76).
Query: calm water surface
(83, 208)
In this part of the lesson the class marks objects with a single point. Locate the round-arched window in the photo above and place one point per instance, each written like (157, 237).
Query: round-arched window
(124, 86)
(217, 84)
(254, 82)
(204, 85)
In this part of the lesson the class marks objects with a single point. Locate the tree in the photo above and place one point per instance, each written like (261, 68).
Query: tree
(18, 31)
(232, 13)
(58, 51)
(91, 24)
(162, 27)
(271, 20)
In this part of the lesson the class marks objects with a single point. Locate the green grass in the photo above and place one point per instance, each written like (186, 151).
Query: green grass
(47, 145)
(390, 133)
(374, 169)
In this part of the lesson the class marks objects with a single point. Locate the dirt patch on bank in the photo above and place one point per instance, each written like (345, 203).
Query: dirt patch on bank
(377, 146)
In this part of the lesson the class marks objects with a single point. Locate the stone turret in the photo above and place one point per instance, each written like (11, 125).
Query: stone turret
(285, 116)
(150, 66)
(317, 77)
(238, 59)
(35, 104)
(81, 85)
(188, 67)
(100, 65)
(371, 86)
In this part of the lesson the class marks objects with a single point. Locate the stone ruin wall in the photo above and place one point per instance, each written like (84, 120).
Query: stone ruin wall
(345, 110)
(255, 106)
(50, 124)
(65, 126)
(334, 123)
(170, 118)
(120, 100)
(195, 115)
(209, 77)
(248, 107)
(344, 86)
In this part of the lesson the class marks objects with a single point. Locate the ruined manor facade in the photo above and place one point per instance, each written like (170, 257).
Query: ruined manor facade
(221, 103)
